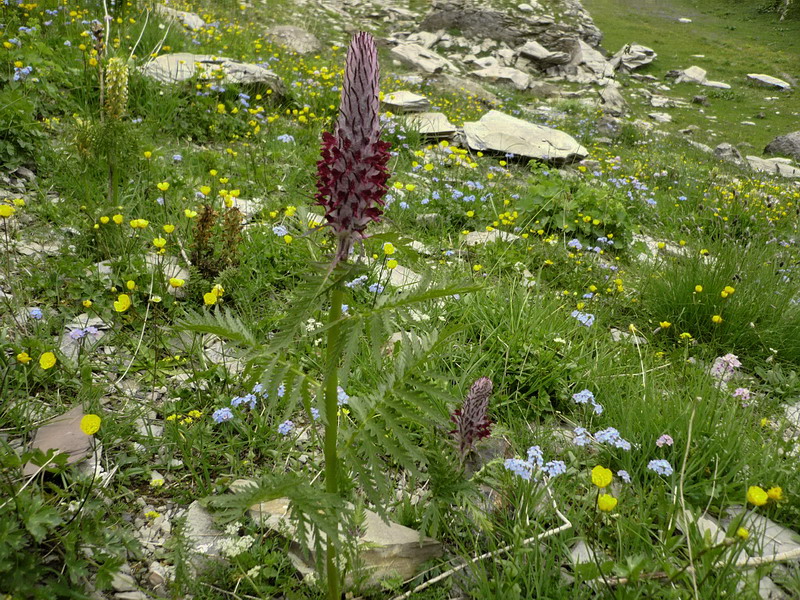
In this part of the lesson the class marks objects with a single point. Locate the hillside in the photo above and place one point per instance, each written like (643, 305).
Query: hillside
(510, 313)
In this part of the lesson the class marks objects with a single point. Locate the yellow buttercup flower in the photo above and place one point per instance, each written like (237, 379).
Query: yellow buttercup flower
(210, 298)
(756, 496)
(130, 284)
(717, 319)
(601, 476)
(392, 264)
(7, 211)
(47, 360)
(90, 424)
(388, 248)
(190, 214)
(606, 502)
(775, 493)
(742, 533)
(117, 219)
(87, 303)
(163, 186)
(168, 228)
(122, 303)
(24, 358)
(664, 324)
(159, 242)
(698, 288)
(176, 282)
(147, 154)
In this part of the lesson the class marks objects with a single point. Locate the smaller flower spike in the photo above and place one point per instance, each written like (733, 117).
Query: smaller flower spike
(352, 173)
(471, 421)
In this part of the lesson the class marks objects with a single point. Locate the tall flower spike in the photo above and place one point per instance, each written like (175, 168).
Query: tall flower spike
(352, 174)
(471, 421)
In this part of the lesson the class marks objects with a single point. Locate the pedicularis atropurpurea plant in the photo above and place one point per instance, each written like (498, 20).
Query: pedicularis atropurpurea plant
(397, 403)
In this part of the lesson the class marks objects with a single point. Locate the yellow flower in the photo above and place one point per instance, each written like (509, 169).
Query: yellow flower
(147, 154)
(728, 290)
(606, 502)
(6, 211)
(87, 303)
(24, 358)
(47, 360)
(290, 210)
(156, 482)
(195, 414)
(388, 248)
(601, 477)
(159, 242)
(716, 319)
(190, 214)
(743, 533)
(686, 335)
(210, 298)
(205, 190)
(139, 223)
(176, 282)
(104, 220)
(698, 288)
(168, 228)
(288, 239)
(131, 284)
(664, 324)
(775, 493)
(757, 496)
(477, 268)
(122, 303)
(93, 62)
(90, 424)
(117, 219)
(163, 186)
(392, 264)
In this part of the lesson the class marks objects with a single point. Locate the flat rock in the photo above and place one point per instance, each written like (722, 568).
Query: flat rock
(768, 537)
(405, 101)
(422, 58)
(431, 125)
(187, 19)
(728, 152)
(182, 66)
(775, 166)
(660, 117)
(632, 56)
(535, 51)
(461, 85)
(769, 81)
(388, 549)
(62, 433)
(201, 532)
(785, 145)
(612, 100)
(499, 132)
(695, 74)
(508, 75)
(294, 38)
(480, 238)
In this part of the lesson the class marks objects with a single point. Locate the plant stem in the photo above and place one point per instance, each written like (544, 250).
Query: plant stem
(331, 427)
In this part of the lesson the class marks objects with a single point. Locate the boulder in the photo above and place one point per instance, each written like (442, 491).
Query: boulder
(632, 56)
(785, 145)
(62, 434)
(729, 153)
(612, 100)
(187, 19)
(387, 548)
(508, 75)
(541, 55)
(587, 65)
(182, 66)
(421, 58)
(404, 101)
(499, 132)
(295, 39)
(769, 81)
(461, 85)
(660, 117)
(432, 125)
(697, 75)
(478, 22)
(776, 166)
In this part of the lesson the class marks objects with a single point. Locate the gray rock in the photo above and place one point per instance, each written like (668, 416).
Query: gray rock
(182, 66)
(201, 532)
(187, 19)
(609, 126)
(697, 75)
(421, 58)
(508, 75)
(587, 65)
(660, 117)
(499, 132)
(25, 173)
(769, 81)
(729, 153)
(785, 145)
(700, 146)
(632, 56)
(535, 51)
(431, 125)
(123, 582)
(775, 166)
(404, 101)
(542, 89)
(294, 38)
(768, 537)
(387, 549)
(454, 83)
(612, 100)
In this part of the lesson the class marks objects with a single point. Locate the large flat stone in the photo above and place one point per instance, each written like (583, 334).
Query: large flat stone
(499, 132)
(431, 125)
(421, 58)
(182, 66)
(769, 81)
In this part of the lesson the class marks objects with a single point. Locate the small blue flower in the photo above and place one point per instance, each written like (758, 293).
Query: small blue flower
(177, 157)
(519, 467)
(36, 313)
(535, 456)
(315, 413)
(581, 437)
(554, 468)
(583, 397)
(285, 138)
(376, 288)
(342, 397)
(611, 436)
(624, 475)
(281, 391)
(660, 466)
(285, 428)
(222, 414)
(573, 243)
(280, 230)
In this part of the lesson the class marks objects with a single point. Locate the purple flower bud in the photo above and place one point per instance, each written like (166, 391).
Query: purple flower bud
(352, 174)
(472, 423)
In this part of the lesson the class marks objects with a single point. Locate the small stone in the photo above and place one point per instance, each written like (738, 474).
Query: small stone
(405, 101)
(480, 238)
(122, 582)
